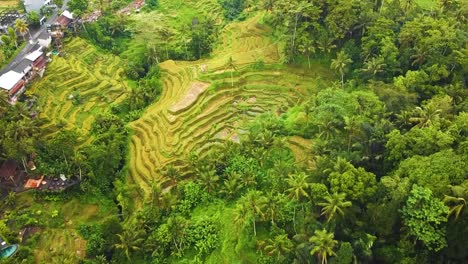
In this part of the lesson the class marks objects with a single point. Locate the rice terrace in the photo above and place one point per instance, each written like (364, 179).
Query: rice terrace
(233, 131)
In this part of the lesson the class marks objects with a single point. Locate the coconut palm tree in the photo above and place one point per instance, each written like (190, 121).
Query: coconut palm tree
(232, 67)
(232, 185)
(208, 178)
(278, 246)
(341, 64)
(129, 241)
(178, 229)
(13, 37)
(334, 204)
(11, 198)
(323, 245)
(157, 196)
(456, 201)
(425, 116)
(353, 127)
(255, 201)
(22, 27)
(272, 207)
(374, 66)
(172, 173)
(298, 184)
(118, 24)
(242, 215)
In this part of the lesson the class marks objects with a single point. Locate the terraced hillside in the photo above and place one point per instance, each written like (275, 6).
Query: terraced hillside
(79, 85)
(199, 110)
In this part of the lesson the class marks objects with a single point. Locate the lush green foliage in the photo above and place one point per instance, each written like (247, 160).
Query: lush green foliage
(385, 178)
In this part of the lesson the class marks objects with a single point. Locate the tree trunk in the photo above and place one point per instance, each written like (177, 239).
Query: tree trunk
(294, 220)
(23, 160)
(342, 80)
(80, 172)
(254, 227)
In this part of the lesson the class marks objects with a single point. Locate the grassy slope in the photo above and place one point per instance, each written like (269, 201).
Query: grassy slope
(59, 239)
(95, 76)
(162, 137)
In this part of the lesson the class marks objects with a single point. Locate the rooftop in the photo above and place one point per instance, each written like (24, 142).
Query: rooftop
(23, 66)
(67, 14)
(34, 55)
(10, 79)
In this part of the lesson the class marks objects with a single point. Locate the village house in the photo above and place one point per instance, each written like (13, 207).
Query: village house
(64, 19)
(13, 83)
(38, 61)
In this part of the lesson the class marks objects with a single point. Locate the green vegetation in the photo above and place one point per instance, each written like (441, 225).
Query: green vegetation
(79, 86)
(244, 131)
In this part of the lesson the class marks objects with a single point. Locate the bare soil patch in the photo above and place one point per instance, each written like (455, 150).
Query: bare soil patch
(195, 90)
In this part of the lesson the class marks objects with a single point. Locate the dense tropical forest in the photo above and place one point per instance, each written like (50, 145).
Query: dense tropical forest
(245, 131)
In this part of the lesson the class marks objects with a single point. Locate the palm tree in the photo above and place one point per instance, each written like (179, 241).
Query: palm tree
(242, 215)
(177, 228)
(426, 115)
(129, 240)
(325, 42)
(374, 66)
(298, 184)
(118, 24)
(11, 198)
(272, 207)
(334, 204)
(352, 126)
(322, 245)
(419, 57)
(340, 64)
(255, 201)
(456, 201)
(22, 27)
(152, 54)
(232, 185)
(157, 195)
(232, 67)
(13, 37)
(208, 178)
(403, 119)
(278, 246)
(172, 173)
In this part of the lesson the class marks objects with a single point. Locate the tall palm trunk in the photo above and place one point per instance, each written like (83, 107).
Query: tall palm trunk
(254, 227)
(342, 80)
